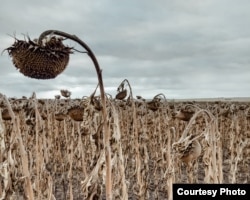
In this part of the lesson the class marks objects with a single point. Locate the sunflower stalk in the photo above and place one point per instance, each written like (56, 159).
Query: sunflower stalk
(103, 100)
(24, 156)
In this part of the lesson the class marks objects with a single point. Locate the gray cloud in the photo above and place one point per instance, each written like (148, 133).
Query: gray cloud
(184, 49)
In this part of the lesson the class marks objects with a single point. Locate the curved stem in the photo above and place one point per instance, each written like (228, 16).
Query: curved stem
(161, 94)
(130, 88)
(103, 100)
(84, 45)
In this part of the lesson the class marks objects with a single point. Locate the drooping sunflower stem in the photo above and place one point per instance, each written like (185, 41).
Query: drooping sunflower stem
(103, 100)
(122, 91)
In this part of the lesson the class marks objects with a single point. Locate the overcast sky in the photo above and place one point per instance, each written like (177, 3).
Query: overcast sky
(181, 48)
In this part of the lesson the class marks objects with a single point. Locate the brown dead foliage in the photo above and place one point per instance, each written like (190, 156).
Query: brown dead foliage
(47, 154)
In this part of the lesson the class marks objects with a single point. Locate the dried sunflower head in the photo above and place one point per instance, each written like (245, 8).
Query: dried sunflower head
(65, 93)
(76, 113)
(121, 95)
(40, 61)
(6, 114)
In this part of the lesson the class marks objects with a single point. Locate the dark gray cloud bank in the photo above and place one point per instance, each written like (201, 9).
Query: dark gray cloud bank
(183, 49)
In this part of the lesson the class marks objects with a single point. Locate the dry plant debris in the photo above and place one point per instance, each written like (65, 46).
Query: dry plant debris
(46, 153)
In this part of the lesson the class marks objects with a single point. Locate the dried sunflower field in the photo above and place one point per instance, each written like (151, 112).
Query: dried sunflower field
(53, 148)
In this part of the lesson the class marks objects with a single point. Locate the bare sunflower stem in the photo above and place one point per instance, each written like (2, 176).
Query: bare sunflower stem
(106, 131)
